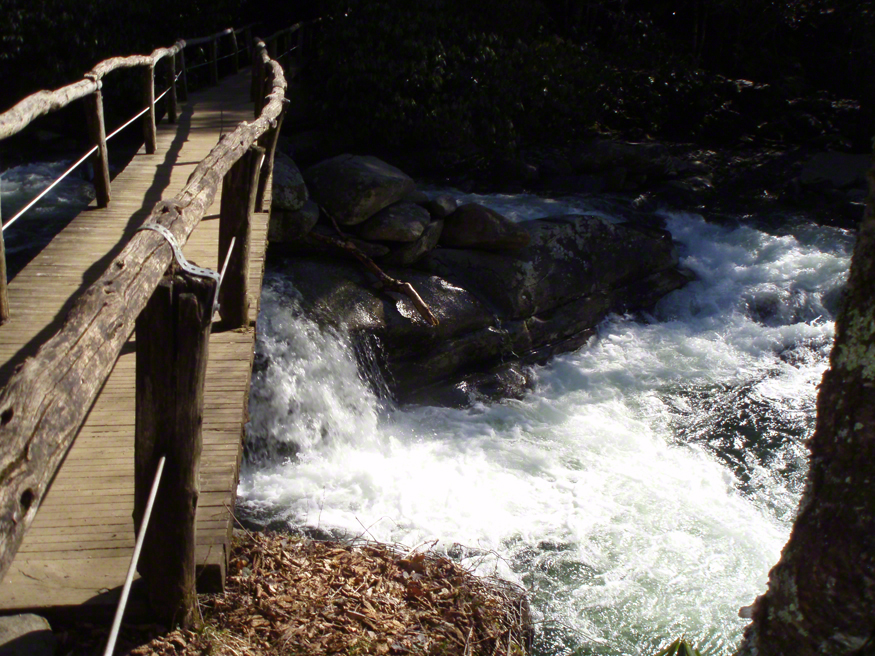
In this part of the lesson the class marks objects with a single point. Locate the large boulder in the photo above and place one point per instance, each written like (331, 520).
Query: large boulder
(440, 207)
(402, 222)
(292, 225)
(493, 307)
(476, 226)
(352, 188)
(289, 189)
(567, 257)
(411, 253)
(839, 170)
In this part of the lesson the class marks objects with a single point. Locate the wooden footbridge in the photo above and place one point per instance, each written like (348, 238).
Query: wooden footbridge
(91, 407)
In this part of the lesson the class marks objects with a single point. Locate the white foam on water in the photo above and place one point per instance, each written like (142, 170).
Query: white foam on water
(21, 184)
(641, 491)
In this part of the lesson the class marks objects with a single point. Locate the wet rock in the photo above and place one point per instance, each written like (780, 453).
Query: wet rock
(289, 190)
(493, 307)
(412, 253)
(353, 188)
(292, 225)
(416, 197)
(26, 635)
(440, 207)
(402, 222)
(567, 257)
(840, 170)
(476, 226)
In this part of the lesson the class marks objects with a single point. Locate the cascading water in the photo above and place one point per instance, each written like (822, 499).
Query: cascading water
(642, 490)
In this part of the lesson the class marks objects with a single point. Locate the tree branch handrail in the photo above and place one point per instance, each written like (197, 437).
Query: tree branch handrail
(46, 401)
(20, 115)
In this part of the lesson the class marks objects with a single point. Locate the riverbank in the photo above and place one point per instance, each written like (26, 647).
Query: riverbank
(290, 595)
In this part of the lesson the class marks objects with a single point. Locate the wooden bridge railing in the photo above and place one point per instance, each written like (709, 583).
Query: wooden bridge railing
(46, 401)
(90, 87)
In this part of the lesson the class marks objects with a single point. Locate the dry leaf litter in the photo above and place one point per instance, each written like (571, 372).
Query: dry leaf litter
(286, 595)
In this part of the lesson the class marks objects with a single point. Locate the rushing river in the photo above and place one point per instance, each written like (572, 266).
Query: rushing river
(641, 491)
(38, 226)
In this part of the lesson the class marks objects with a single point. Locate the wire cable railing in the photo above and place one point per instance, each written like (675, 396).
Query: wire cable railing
(72, 366)
(79, 162)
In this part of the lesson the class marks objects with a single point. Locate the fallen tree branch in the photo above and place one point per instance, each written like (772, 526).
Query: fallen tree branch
(385, 280)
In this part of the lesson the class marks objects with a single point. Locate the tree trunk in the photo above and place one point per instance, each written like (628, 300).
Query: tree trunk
(821, 596)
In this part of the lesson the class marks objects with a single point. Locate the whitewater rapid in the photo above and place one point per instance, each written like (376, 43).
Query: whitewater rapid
(642, 489)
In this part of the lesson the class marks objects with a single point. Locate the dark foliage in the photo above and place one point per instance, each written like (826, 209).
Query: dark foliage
(461, 77)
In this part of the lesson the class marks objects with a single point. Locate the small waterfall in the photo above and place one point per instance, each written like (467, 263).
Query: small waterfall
(642, 490)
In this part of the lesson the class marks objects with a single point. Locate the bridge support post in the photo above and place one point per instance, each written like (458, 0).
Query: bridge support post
(257, 89)
(214, 61)
(172, 104)
(235, 60)
(184, 75)
(4, 292)
(150, 132)
(239, 189)
(172, 335)
(97, 133)
(268, 140)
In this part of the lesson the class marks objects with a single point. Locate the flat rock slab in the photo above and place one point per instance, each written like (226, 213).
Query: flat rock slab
(26, 635)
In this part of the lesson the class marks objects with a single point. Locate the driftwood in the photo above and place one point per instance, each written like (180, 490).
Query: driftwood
(45, 402)
(386, 281)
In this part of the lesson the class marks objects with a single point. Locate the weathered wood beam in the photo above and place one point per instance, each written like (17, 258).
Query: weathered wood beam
(172, 102)
(97, 133)
(214, 62)
(269, 141)
(4, 291)
(19, 116)
(235, 223)
(150, 131)
(184, 75)
(207, 39)
(173, 339)
(44, 404)
(40, 103)
(235, 60)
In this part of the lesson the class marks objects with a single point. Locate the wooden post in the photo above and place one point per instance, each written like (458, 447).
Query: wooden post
(238, 203)
(172, 349)
(268, 141)
(184, 76)
(172, 111)
(214, 61)
(247, 39)
(257, 82)
(4, 292)
(97, 133)
(271, 48)
(150, 132)
(235, 60)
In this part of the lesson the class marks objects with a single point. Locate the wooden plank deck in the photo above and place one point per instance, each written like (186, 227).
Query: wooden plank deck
(76, 554)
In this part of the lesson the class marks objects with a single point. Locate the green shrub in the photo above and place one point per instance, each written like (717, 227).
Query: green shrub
(425, 76)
